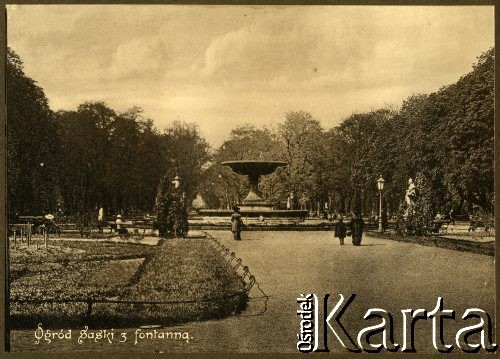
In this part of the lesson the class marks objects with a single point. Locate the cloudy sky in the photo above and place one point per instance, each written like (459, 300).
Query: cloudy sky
(220, 66)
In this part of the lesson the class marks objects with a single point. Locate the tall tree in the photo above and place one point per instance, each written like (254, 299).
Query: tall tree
(467, 135)
(303, 143)
(221, 187)
(86, 173)
(188, 154)
(32, 144)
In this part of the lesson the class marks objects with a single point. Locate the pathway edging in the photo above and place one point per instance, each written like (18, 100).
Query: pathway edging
(485, 248)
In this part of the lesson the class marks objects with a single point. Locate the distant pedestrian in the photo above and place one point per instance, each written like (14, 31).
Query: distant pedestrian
(236, 223)
(472, 224)
(341, 230)
(357, 225)
(100, 219)
(385, 221)
(119, 225)
(290, 203)
(452, 216)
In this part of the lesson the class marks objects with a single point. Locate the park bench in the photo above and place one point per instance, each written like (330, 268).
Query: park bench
(82, 225)
(439, 225)
(24, 230)
(138, 224)
(476, 222)
(41, 224)
(135, 223)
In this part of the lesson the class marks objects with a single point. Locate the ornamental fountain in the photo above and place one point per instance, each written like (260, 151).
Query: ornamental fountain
(254, 205)
(254, 169)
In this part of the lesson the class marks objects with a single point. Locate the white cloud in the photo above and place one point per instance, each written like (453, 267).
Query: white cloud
(221, 66)
(139, 57)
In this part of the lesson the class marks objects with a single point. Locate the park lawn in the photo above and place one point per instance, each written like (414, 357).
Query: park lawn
(67, 251)
(188, 272)
(180, 270)
(97, 279)
(66, 256)
(75, 281)
(186, 269)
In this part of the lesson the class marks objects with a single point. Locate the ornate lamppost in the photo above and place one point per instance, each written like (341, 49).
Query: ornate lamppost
(380, 186)
(225, 188)
(177, 210)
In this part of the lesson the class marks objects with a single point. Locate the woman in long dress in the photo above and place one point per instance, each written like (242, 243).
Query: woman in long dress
(236, 223)
(357, 225)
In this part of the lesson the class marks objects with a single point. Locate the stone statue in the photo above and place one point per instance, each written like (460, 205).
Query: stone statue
(410, 197)
(410, 193)
(290, 203)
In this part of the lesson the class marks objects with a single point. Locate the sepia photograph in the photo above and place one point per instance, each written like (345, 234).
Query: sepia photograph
(250, 179)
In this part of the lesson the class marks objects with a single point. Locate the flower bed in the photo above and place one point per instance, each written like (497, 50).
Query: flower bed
(442, 241)
(30, 260)
(64, 251)
(76, 281)
(189, 271)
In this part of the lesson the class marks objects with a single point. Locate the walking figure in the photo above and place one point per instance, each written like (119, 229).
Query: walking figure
(356, 225)
(120, 228)
(100, 219)
(341, 230)
(452, 216)
(236, 223)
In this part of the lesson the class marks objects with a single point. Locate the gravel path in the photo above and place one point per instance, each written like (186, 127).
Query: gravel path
(382, 273)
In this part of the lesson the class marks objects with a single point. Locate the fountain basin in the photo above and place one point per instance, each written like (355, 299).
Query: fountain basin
(271, 213)
(254, 167)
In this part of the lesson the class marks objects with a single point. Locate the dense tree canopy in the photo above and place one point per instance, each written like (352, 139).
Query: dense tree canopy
(95, 155)
(76, 160)
(110, 159)
(33, 146)
(444, 140)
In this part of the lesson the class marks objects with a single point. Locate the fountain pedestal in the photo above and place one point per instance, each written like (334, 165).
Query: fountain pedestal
(253, 201)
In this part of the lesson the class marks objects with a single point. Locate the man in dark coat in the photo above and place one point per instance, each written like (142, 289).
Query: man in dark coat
(340, 230)
(356, 226)
(236, 223)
